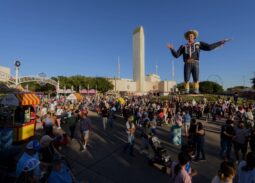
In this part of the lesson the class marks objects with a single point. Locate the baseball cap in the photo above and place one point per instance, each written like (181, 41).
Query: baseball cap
(33, 144)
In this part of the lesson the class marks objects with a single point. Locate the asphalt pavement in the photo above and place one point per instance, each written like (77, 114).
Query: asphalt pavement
(104, 160)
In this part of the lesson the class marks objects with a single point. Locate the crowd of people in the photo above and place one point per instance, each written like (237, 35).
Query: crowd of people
(42, 160)
(238, 130)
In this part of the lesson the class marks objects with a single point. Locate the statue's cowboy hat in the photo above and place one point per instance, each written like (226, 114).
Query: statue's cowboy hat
(194, 32)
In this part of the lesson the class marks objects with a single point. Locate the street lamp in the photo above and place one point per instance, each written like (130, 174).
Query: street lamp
(17, 66)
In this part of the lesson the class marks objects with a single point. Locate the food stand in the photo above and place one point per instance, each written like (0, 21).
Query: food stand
(18, 114)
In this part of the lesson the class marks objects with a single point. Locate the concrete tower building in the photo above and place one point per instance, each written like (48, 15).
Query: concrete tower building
(138, 59)
(141, 83)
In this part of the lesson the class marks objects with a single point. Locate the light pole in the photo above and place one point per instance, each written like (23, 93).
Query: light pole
(58, 85)
(17, 66)
(115, 86)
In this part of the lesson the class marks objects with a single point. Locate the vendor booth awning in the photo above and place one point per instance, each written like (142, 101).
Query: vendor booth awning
(28, 99)
(83, 91)
(91, 91)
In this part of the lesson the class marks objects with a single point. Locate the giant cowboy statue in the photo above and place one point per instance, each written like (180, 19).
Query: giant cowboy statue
(190, 52)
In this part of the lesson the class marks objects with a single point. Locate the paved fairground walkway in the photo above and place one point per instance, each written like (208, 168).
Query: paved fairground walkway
(105, 162)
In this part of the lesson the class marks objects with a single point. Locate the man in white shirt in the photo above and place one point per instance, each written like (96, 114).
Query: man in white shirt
(59, 115)
(130, 129)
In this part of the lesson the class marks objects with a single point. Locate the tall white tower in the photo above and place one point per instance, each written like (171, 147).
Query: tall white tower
(138, 59)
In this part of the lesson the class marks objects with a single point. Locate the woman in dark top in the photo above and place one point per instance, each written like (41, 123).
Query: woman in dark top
(200, 140)
(192, 135)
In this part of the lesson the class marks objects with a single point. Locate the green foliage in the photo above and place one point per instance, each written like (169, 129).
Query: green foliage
(253, 83)
(77, 81)
(180, 86)
(211, 98)
(236, 89)
(36, 87)
(209, 87)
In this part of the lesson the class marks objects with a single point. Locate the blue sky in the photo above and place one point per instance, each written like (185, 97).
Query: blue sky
(64, 37)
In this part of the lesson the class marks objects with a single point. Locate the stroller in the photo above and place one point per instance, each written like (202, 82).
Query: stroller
(160, 155)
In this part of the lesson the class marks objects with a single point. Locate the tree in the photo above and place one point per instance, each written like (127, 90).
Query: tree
(36, 87)
(180, 86)
(253, 83)
(237, 89)
(101, 84)
(77, 81)
(204, 87)
(210, 87)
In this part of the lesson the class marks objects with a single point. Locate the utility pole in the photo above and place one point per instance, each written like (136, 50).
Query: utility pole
(156, 69)
(167, 88)
(115, 86)
(172, 70)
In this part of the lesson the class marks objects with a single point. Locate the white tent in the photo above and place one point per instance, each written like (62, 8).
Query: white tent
(10, 100)
(71, 97)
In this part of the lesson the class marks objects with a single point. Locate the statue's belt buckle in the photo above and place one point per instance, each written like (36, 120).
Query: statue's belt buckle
(192, 61)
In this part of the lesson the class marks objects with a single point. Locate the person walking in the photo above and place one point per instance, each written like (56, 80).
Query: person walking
(130, 129)
(59, 113)
(249, 118)
(200, 141)
(85, 128)
(48, 124)
(176, 129)
(111, 115)
(72, 121)
(241, 140)
(226, 138)
(192, 135)
(105, 114)
(186, 120)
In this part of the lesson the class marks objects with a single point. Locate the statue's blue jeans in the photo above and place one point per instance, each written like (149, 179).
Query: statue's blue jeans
(191, 68)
